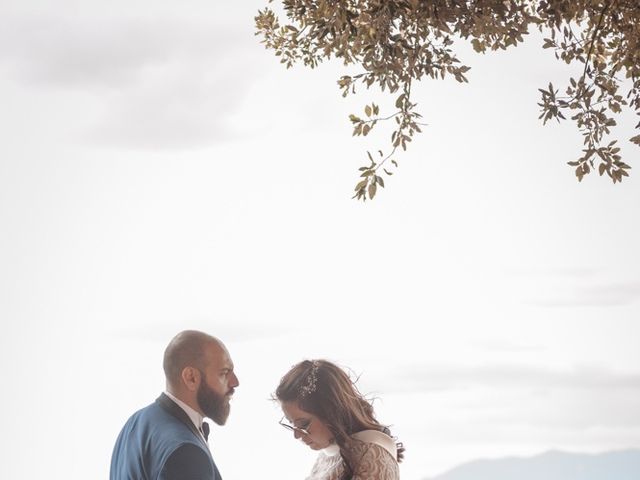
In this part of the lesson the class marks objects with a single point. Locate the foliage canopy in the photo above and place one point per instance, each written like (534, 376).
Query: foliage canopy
(398, 42)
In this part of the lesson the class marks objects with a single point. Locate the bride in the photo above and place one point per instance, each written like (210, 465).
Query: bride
(324, 409)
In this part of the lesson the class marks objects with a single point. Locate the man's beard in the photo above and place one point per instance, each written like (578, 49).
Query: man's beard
(212, 404)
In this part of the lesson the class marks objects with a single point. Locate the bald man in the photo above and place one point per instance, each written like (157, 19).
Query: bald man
(167, 440)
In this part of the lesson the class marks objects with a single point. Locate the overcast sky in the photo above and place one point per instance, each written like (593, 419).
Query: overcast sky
(159, 170)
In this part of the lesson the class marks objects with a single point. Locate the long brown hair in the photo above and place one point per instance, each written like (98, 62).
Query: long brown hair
(325, 390)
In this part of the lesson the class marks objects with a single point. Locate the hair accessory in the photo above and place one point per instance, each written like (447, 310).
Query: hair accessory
(311, 382)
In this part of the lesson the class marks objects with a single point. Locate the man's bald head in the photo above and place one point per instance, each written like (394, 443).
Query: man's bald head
(187, 349)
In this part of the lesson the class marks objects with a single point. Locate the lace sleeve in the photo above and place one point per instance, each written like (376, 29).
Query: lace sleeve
(376, 464)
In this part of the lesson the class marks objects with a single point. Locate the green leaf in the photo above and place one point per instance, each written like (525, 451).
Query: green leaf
(419, 44)
(372, 190)
(602, 168)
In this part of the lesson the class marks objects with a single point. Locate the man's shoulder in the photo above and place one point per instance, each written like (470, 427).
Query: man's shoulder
(152, 437)
(154, 420)
(153, 409)
(152, 412)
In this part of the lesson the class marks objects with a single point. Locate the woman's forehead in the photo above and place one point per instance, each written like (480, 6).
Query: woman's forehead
(293, 411)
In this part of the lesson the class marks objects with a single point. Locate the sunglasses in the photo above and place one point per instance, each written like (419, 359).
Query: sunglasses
(293, 428)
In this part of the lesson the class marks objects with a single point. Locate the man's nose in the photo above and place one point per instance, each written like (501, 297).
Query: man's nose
(234, 381)
(296, 434)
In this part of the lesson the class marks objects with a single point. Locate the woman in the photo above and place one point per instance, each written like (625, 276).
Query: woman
(326, 411)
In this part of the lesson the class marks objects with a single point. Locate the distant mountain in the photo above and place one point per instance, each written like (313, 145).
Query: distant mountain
(552, 465)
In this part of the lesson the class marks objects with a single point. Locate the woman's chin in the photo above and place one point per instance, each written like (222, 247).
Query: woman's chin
(316, 446)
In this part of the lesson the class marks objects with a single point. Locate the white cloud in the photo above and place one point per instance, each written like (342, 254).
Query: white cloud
(229, 330)
(613, 294)
(532, 378)
(156, 84)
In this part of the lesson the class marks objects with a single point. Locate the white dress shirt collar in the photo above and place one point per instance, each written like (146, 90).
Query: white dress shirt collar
(194, 415)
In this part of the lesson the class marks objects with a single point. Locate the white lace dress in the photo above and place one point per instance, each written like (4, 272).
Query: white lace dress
(375, 455)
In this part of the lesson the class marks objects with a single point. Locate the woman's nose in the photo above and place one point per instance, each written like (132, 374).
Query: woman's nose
(296, 434)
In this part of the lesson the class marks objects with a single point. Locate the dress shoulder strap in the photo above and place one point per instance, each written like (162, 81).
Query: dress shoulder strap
(381, 439)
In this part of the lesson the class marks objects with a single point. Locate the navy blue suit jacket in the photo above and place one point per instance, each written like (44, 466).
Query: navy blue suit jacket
(160, 442)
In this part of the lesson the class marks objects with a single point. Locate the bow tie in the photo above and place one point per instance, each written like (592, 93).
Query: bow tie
(205, 430)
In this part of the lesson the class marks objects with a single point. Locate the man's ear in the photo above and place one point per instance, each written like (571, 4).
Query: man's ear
(191, 378)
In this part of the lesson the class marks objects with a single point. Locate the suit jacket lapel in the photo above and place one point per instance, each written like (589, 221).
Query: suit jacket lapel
(174, 409)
